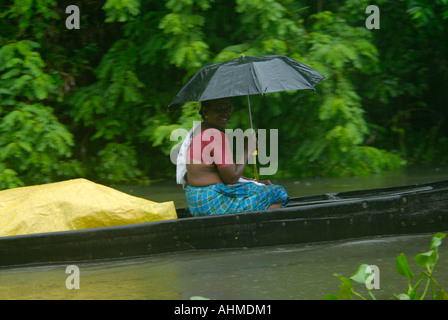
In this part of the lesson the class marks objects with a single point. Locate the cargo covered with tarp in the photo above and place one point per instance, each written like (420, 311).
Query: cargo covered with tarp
(74, 205)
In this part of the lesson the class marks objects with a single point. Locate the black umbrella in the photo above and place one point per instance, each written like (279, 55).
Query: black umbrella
(246, 76)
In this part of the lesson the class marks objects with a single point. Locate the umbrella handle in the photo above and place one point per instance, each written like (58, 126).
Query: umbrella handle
(255, 152)
(250, 112)
(256, 176)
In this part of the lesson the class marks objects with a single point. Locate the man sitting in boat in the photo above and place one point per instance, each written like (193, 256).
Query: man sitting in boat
(214, 183)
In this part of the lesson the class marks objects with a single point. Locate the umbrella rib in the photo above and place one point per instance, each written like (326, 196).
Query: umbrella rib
(298, 74)
(255, 77)
(209, 81)
(301, 76)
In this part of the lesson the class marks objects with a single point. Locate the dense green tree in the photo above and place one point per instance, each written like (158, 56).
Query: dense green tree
(93, 102)
(331, 132)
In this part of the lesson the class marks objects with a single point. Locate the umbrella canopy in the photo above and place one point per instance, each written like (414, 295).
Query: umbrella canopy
(248, 76)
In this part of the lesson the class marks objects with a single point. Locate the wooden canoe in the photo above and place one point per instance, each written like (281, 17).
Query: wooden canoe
(411, 209)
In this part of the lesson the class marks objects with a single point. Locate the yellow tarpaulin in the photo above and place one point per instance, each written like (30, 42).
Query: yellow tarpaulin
(73, 205)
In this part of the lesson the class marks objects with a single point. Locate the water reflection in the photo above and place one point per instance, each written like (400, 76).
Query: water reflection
(168, 191)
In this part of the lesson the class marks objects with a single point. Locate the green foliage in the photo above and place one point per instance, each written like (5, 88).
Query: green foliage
(426, 260)
(333, 128)
(105, 89)
(429, 14)
(32, 143)
(31, 16)
(347, 289)
(32, 140)
(22, 73)
(185, 46)
(159, 131)
(105, 104)
(341, 50)
(9, 178)
(119, 163)
(121, 10)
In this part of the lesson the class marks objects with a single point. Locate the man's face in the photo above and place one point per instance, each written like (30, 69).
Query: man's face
(219, 114)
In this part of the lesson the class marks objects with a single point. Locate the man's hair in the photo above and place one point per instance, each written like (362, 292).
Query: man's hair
(209, 103)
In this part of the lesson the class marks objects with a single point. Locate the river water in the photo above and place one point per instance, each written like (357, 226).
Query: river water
(296, 187)
(279, 272)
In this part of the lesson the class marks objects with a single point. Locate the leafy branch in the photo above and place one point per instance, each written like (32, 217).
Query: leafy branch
(426, 260)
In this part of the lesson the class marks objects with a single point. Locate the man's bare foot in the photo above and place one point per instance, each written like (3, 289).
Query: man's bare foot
(275, 206)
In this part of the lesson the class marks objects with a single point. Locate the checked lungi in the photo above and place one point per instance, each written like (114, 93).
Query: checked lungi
(240, 197)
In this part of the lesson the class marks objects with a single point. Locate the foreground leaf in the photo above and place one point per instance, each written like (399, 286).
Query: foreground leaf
(426, 259)
(436, 240)
(402, 266)
(442, 295)
(360, 276)
(403, 296)
(331, 297)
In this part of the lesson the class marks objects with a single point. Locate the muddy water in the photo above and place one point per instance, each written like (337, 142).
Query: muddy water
(282, 272)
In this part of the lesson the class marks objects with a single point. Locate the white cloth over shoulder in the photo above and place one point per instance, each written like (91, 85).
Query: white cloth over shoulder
(181, 164)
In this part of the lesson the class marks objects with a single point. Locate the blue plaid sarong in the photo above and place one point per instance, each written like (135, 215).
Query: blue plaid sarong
(240, 197)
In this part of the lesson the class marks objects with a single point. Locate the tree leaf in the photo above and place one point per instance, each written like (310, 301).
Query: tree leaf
(360, 276)
(402, 266)
(426, 259)
(346, 287)
(436, 240)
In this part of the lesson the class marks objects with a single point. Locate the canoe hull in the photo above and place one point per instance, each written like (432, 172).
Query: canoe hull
(387, 211)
